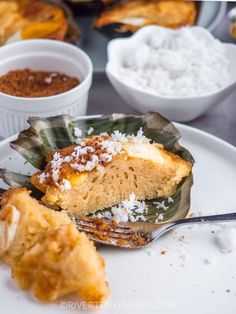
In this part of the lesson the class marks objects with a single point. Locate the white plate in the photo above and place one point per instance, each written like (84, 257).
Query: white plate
(147, 281)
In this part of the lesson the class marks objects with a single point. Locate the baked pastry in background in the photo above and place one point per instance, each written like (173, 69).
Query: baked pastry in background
(46, 252)
(232, 26)
(86, 2)
(32, 19)
(11, 20)
(133, 14)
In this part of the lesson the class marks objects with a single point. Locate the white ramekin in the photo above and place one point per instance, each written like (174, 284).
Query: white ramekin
(43, 55)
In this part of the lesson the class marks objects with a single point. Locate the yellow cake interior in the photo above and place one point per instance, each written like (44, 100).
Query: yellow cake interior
(138, 166)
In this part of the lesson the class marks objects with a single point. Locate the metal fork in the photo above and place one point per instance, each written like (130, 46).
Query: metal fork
(137, 235)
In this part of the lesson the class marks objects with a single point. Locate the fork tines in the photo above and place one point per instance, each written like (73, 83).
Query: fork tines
(111, 233)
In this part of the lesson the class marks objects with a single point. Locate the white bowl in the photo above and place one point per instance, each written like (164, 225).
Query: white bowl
(177, 109)
(43, 55)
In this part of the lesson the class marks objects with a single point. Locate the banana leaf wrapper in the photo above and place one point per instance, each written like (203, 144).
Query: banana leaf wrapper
(47, 135)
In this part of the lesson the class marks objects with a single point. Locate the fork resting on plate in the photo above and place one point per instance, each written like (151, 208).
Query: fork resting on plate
(137, 235)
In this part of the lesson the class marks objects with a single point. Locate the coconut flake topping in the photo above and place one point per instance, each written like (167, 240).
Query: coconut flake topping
(77, 132)
(89, 154)
(138, 138)
(128, 210)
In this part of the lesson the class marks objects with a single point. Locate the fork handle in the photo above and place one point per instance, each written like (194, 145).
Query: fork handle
(206, 219)
(187, 221)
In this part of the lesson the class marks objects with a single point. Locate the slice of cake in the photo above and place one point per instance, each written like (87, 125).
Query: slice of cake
(46, 252)
(102, 171)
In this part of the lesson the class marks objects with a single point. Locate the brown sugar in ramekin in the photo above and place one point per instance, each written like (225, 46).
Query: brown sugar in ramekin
(29, 84)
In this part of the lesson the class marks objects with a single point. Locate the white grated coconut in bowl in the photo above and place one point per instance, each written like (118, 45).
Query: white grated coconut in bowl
(177, 64)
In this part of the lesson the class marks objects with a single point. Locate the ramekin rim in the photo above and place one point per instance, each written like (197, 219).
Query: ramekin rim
(87, 80)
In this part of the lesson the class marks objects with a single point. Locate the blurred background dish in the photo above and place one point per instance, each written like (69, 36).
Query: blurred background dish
(53, 19)
(27, 19)
(209, 15)
(128, 16)
(193, 98)
(30, 19)
(232, 17)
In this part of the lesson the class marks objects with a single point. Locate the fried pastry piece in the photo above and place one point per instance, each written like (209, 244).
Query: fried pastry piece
(31, 19)
(66, 261)
(44, 21)
(46, 252)
(10, 20)
(103, 172)
(133, 14)
(34, 222)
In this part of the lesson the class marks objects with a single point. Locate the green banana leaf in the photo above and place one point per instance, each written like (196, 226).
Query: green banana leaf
(17, 180)
(46, 135)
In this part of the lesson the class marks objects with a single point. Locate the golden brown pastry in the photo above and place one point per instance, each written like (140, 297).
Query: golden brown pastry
(31, 19)
(34, 222)
(65, 262)
(44, 21)
(46, 252)
(133, 14)
(11, 20)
